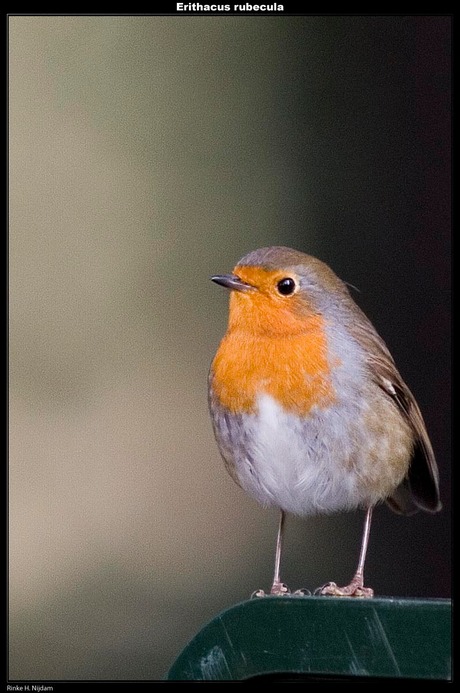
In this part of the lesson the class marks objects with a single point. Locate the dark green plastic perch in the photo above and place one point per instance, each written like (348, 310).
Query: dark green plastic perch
(322, 638)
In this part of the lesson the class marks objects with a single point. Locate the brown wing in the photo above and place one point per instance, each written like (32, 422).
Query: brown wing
(420, 489)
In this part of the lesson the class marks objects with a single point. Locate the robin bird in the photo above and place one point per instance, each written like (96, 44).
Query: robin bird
(308, 409)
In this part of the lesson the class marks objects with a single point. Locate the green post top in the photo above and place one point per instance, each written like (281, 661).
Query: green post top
(297, 637)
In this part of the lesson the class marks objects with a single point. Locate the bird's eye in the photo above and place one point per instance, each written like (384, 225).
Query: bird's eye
(286, 286)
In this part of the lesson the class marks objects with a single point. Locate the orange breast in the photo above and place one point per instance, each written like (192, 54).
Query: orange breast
(292, 369)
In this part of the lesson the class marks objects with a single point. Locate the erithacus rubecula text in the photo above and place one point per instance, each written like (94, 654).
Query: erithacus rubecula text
(309, 411)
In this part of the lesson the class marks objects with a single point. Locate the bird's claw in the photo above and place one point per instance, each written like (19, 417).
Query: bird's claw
(278, 589)
(354, 589)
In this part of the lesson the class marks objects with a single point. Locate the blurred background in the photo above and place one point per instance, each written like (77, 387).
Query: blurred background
(147, 153)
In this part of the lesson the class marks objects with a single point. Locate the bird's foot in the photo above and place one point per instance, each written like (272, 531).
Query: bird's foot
(278, 589)
(354, 589)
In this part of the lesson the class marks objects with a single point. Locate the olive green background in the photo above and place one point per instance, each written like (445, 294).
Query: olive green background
(145, 154)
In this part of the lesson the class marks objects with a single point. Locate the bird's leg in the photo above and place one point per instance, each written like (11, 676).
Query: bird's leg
(279, 587)
(356, 587)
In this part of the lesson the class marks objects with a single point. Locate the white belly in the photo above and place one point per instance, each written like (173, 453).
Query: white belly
(285, 462)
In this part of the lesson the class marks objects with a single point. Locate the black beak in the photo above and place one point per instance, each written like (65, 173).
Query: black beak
(232, 281)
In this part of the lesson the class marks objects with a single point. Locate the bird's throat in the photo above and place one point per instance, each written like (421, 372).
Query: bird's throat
(295, 370)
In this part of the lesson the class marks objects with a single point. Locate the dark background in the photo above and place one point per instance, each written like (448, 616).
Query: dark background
(147, 153)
